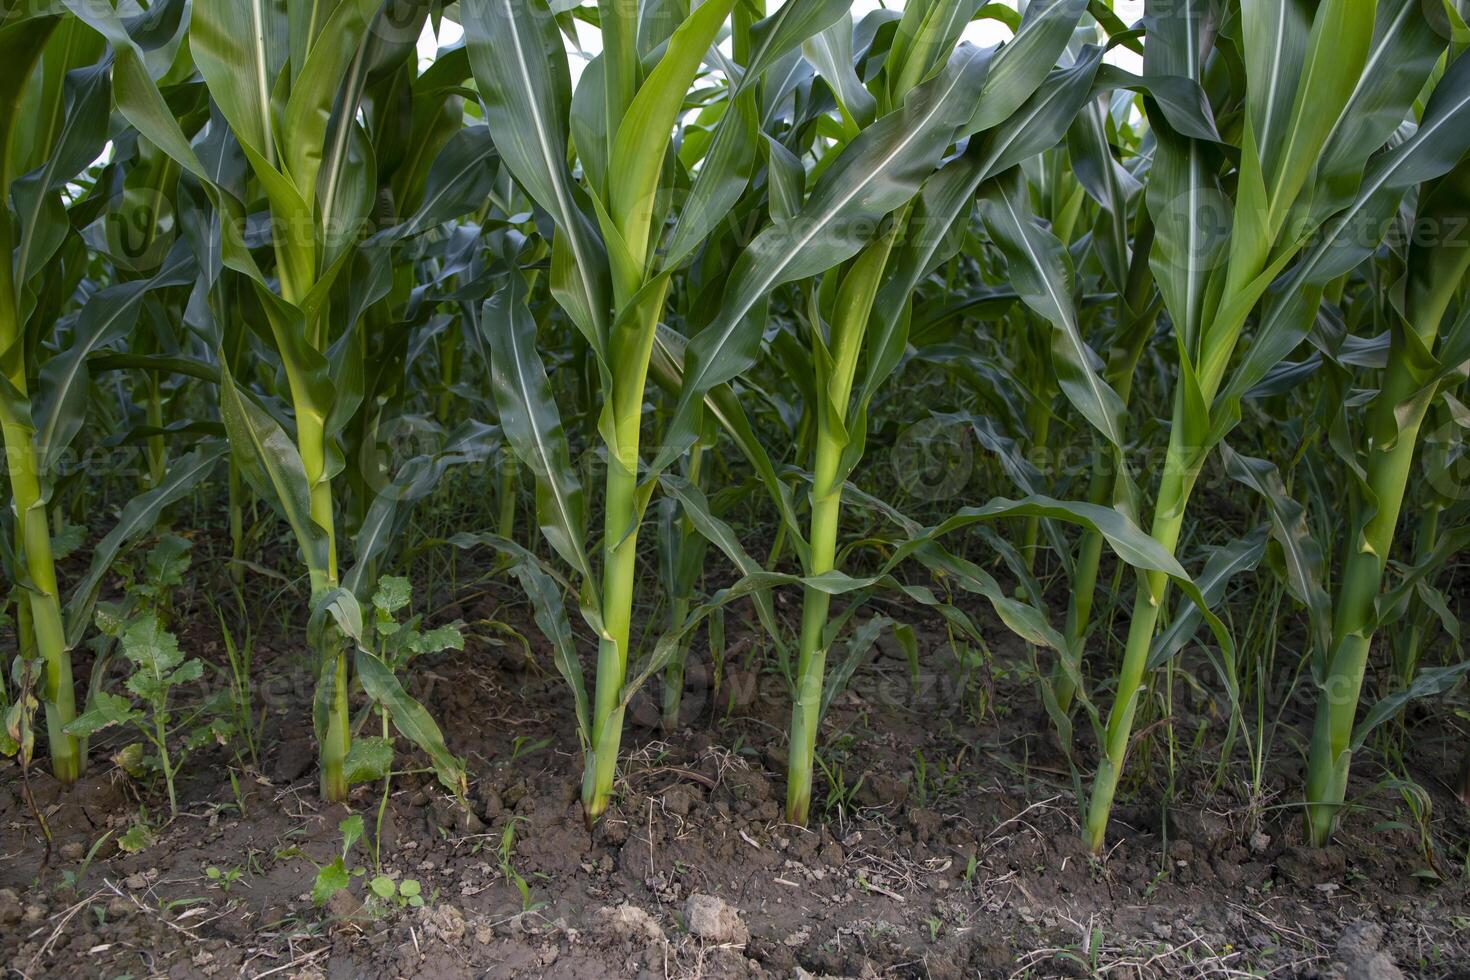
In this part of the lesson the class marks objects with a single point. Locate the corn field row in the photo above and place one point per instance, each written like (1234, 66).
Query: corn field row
(1192, 289)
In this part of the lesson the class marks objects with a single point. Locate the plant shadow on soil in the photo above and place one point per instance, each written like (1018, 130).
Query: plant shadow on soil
(948, 850)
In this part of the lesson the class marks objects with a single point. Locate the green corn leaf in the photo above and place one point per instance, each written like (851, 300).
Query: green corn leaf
(1428, 682)
(40, 215)
(1302, 553)
(1042, 274)
(643, 138)
(458, 181)
(1040, 122)
(271, 463)
(108, 317)
(1224, 564)
(334, 68)
(875, 174)
(1022, 63)
(531, 422)
(550, 615)
(241, 48)
(830, 50)
(520, 64)
(729, 163)
(1351, 235)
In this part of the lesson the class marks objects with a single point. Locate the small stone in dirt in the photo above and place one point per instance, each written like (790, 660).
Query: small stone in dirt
(710, 917)
(1361, 958)
(73, 851)
(628, 923)
(615, 831)
(571, 792)
(450, 815)
(490, 805)
(10, 907)
(798, 938)
(680, 799)
(522, 924)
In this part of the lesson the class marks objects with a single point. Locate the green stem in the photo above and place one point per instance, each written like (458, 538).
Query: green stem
(338, 738)
(851, 311)
(237, 525)
(673, 688)
(1435, 274)
(1138, 317)
(335, 742)
(157, 458)
(1353, 619)
(1425, 538)
(506, 521)
(1084, 586)
(812, 655)
(34, 535)
(448, 371)
(620, 547)
(1180, 472)
(1039, 425)
(160, 737)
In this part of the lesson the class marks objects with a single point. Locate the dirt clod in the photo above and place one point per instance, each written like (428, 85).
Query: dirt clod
(680, 799)
(344, 905)
(628, 923)
(712, 918)
(749, 786)
(1200, 828)
(10, 907)
(452, 816)
(882, 789)
(1359, 956)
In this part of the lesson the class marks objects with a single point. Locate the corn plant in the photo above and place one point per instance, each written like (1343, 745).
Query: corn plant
(62, 89)
(610, 268)
(1315, 112)
(296, 127)
(1434, 277)
(889, 169)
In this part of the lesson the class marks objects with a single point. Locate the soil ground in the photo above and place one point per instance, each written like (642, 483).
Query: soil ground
(942, 847)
